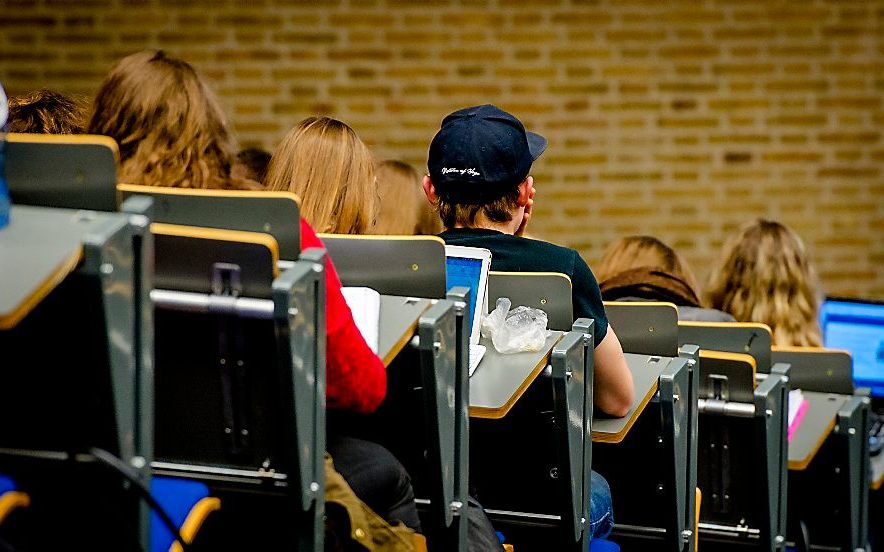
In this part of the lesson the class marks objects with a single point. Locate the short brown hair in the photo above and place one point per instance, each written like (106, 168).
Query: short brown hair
(46, 112)
(169, 127)
(454, 214)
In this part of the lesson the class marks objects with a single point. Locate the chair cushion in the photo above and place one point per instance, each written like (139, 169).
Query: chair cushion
(177, 497)
(602, 545)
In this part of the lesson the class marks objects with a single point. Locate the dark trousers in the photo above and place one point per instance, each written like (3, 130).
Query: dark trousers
(377, 478)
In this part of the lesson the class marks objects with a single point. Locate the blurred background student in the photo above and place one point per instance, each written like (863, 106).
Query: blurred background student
(764, 275)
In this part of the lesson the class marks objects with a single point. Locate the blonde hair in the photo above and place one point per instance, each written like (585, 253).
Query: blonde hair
(648, 252)
(169, 127)
(403, 207)
(324, 162)
(765, 276)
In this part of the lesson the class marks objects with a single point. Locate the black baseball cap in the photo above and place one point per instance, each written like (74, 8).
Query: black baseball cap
(481, 153)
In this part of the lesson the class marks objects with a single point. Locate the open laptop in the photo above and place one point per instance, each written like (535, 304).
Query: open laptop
(468, 267)
(857, 325)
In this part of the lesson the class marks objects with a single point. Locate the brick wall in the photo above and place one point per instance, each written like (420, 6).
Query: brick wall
(674, 118)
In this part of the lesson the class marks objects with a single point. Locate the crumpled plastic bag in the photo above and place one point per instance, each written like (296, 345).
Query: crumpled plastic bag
(515, 331)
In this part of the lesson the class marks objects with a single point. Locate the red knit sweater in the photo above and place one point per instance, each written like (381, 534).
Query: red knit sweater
(355, 378)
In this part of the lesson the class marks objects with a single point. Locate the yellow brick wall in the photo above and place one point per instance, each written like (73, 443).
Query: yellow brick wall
(674, 118)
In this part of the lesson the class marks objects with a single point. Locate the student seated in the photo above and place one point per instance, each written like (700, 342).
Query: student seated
(171, 132)
(764, 275)
(168, 125)
(480, 185)
(402, 206)
(46, 112)
(642, 268)
(324, 162)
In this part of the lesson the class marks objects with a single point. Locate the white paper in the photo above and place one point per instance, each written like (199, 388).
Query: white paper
(365, 304)
(795, 400)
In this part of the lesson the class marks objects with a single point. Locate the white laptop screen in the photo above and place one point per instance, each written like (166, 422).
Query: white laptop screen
(467, 272)
(859, 328)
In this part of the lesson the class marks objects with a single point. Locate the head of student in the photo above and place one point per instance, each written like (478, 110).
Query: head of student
(765, 276)
(479, 164)
(636, 262)
(168, 124)
(324, 162)
(46, 112)
(403, 209)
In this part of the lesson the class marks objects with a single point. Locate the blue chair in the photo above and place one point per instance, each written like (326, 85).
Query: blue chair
(601, 545)
(10, 497)
(188, 504)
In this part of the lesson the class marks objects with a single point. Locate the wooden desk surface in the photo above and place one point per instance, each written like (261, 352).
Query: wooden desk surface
(38, 249)
(645, 377)
(877, 471)
(398, 322)
(500, 380)
(817, 424)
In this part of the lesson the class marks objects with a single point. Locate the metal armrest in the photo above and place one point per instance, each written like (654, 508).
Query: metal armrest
(568, 402)
(853, 427)
(437, 333)
(772, 418)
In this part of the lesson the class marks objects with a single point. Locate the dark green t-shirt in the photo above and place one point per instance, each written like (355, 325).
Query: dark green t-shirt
(516, 254)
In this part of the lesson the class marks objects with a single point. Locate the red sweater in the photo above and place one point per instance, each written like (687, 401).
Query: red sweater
(356, 379)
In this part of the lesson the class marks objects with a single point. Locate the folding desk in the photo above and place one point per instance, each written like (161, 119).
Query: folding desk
(398, 322)
(500, 379)
(645, 376)
(814, 427)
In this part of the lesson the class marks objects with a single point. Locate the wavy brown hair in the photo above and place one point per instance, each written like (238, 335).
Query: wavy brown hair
(765, 276)
(169, 127)
(324, 162)
(46, 112)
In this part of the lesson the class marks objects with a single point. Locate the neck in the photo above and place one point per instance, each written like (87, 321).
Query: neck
(483, 222)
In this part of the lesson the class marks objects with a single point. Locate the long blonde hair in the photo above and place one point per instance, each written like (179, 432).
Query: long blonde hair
(403, 209)
(169, 127)
(765, 276)
(648, 252)
(324, 162)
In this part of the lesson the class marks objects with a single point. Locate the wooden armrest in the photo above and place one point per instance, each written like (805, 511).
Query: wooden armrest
(195, 520)
(11, 500)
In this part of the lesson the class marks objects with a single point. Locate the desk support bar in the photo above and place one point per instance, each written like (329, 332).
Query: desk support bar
(587, 327)
(457, 541)
(298, 312)
(568, 404)
(244, 307)
(675, 411)
(771, 430)
(438, 349)
(691, 353)
(852, 430)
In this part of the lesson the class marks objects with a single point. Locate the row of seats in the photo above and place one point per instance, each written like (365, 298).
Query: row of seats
(166, 352)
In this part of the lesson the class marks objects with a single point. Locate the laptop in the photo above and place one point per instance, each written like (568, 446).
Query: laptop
(468, 267)
(857, 325)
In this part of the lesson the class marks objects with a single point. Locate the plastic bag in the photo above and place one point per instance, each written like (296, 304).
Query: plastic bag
(514, 331)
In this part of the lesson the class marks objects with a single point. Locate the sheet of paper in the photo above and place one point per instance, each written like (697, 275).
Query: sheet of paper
(365, 304)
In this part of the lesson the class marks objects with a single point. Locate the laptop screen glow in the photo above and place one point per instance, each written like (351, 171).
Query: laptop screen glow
(859, 328)
(465, 272)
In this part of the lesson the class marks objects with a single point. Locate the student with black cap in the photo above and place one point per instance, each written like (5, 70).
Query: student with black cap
(479, 182)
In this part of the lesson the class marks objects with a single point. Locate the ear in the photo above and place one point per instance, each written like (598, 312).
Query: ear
(429, 190)
(525, 191)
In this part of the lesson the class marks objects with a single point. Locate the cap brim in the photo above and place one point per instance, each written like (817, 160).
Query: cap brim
(536, 144)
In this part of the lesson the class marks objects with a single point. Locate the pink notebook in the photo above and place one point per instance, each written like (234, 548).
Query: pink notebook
(799, 415)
